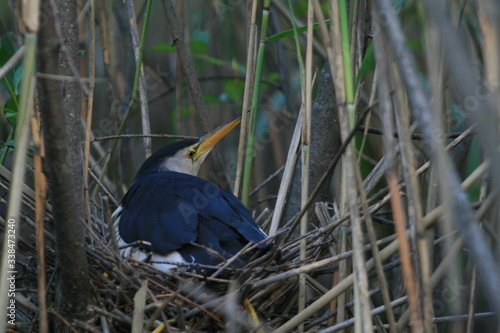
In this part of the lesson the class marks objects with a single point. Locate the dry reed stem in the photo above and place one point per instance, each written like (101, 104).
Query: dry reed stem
(138, 52)
(247, 97)
(404, 253)
(40, 205)
(375, 254)
(89, 111)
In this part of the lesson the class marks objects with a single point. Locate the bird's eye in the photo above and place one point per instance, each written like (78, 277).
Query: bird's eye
(191, 153)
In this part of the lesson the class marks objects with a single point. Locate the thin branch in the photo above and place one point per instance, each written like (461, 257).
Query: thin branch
(133, 136)
(12, 62)
(414, 136)
(13, 225)
(193, 84)
(90, 109)
(139, 78)
(266, 181)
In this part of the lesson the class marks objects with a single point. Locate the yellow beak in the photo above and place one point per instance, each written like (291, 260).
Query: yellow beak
(208, 141)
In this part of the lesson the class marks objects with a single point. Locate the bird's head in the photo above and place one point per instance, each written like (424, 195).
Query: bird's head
(185, 156)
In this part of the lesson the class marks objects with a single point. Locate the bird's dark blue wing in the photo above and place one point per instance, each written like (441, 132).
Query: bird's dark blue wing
(171, 210)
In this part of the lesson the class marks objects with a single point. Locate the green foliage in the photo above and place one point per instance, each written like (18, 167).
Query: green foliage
(273, 77)
(163, 47)
(11, 82)
(234, 89)
(474, 158)
(290, 32)
(9, 143)
(10, 110)
(211, 98)
(199, 42)
(367, 65)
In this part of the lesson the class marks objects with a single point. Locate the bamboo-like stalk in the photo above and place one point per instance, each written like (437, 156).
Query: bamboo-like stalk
(472, 301)
(376, 253)
(305, 141)
(343, 72)
(40, 205)
(488, 12)
(415, 276)
(343, 271)
(404, 252)
(387, 120)
(355, 53)
(139, 54)
(179, 91)
(90, 108)
(139, 72)
(346, 60)
(259, 67)
(438, 82)
(16, 186)
(298, 52)
(287, 175)
(40, 209)
(249, 85)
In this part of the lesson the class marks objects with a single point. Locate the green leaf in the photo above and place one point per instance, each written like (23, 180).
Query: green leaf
(414, 45)
(185, 111)
(11, 118)
(10, 110)
(7, 50)
(211, 98)
(211, 60)
(9, 143)
(18, 74)
(289, 32)
(163, 47)
(198, 46)
(199, 41)
(234, 90)
(273, 77)
(367, 65)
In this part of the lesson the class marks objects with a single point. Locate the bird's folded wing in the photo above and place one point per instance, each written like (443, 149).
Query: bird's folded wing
(165, 208)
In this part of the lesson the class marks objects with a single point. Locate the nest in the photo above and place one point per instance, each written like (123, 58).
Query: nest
(256, 297)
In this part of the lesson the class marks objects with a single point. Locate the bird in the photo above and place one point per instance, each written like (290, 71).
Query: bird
(170, 217)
